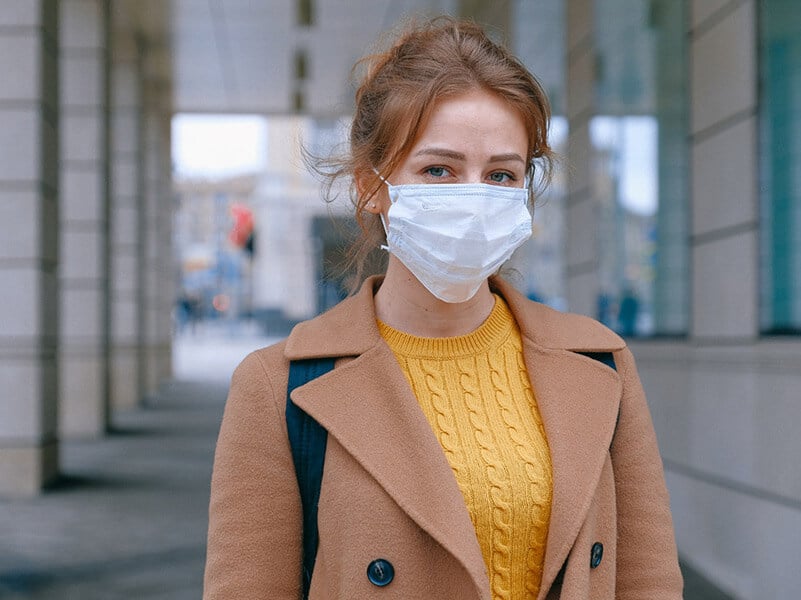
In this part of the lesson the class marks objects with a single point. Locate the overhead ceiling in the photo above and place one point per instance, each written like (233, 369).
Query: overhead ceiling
(254, 56)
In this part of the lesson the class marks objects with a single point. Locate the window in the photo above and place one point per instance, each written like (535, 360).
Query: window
(640, 166)
(780, 166)
(538, 38)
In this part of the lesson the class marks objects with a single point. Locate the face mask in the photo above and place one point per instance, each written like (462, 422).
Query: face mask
(453, 236)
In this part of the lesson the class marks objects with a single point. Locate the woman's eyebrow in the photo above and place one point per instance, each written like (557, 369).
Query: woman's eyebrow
(505, 157)
(445, 153)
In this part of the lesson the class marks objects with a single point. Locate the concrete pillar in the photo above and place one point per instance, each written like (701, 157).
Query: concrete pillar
(84, 222)
(158, 258)
(723, 122)
(166, 291)
(29, 247)
(126, 221)
(582, 278)
(168, 264)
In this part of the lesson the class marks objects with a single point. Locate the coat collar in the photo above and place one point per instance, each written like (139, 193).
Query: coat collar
(376, 418)
(350, 329)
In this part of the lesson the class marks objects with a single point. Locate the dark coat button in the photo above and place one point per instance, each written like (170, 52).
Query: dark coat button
(596, 554)
(380, 572)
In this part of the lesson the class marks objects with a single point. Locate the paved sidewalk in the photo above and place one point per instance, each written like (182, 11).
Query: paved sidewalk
(129, 519)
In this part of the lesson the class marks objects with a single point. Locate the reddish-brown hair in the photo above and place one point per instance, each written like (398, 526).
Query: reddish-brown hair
(399, 89)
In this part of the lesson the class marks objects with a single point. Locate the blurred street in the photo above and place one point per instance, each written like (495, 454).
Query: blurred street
(128, 519)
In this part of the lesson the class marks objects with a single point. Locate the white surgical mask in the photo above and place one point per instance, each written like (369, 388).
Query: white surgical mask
(453, 236)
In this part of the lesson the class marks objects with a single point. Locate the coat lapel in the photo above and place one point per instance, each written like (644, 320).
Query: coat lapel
(578, 399)
(379, 422)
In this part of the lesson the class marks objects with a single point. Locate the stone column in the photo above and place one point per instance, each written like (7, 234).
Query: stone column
(158, 258)
(167, 292)
(126, 221)
(84, 273)
(723, 122)
(582, 269)
(29, 247)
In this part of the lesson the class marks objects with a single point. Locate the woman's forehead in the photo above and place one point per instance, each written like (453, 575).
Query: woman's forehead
(469, 122)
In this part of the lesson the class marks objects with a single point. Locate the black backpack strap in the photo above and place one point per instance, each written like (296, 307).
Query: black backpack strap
(606, 358)
(307, 439)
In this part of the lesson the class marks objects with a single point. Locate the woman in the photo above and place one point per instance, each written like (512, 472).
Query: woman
(479, 445)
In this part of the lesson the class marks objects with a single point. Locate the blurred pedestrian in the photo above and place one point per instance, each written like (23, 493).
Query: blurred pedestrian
(629, 312)
(187, 309)
(479, 445)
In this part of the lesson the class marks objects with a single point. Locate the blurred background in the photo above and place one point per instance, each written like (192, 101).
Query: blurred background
(157, 223)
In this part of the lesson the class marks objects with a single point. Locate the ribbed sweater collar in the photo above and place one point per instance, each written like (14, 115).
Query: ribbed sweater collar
(492, 332)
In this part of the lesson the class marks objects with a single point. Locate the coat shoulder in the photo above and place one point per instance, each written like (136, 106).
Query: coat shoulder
(550, 328)
(347, 329)
(572, 331)
(262, 372)
(260, 362)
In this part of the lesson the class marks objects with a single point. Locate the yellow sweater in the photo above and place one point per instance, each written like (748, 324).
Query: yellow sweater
(475, 391)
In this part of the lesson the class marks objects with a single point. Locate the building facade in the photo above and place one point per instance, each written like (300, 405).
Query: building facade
(720, 353)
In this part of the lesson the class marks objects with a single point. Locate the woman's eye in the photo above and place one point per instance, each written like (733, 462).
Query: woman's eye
(436, 171)
(501, 177)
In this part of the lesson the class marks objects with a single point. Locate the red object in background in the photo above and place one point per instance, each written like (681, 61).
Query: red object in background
(221, 302)
(243, 225)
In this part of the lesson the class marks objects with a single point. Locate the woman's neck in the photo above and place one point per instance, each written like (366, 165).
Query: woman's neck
(404, 303)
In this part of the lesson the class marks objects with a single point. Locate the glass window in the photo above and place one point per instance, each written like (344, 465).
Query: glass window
(640, 166)
(537, 267)
(537, 35)
(780, 168)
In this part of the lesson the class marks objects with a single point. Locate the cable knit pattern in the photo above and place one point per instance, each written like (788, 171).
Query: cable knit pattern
(476, 394)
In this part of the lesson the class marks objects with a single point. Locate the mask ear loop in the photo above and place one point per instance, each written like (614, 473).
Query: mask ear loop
(530, 177)
(386, 232)
(381, 215)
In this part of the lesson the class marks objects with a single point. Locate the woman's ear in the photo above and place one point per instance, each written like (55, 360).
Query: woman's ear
(361, 181)
(372, 206)
(366, 188)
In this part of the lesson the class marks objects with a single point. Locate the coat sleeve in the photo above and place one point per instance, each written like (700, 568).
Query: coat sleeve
(647, 560)
(254, 516)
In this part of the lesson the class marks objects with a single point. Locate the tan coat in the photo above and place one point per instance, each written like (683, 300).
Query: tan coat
(388, 491)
